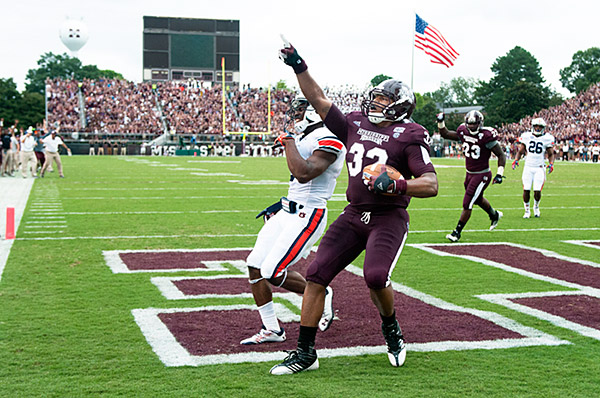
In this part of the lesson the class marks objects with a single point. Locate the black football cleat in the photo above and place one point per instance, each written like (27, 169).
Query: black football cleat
(495, 220)
(297, 361)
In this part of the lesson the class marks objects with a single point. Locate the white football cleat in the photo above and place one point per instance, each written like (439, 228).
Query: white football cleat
(527, 214)
(536, 211)
(328, 314)
(396, 346)
(454, 236)
(397, 359)
(265, 336)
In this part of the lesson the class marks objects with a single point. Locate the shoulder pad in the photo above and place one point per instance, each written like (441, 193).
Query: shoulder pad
(492, 131)
(418, 134)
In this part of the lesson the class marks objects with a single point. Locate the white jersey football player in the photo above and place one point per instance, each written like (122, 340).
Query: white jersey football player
(315, 158)
(533, 145)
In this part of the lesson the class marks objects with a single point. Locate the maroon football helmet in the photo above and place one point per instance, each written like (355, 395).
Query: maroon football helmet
(401, 107)
(474, 121)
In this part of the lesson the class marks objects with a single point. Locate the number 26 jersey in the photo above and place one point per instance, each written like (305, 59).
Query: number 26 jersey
(536, 146)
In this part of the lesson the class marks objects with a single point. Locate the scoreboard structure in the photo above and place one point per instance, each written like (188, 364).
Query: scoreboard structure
(190, 48)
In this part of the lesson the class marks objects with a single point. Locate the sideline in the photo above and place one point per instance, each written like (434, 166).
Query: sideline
(15, 192)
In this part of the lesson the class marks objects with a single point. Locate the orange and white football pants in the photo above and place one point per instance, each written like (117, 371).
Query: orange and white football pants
(286, 238)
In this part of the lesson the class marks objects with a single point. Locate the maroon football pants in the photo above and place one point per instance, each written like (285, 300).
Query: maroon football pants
(381, 233)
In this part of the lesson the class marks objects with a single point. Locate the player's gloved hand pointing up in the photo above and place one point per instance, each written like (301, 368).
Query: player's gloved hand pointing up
(289, 55)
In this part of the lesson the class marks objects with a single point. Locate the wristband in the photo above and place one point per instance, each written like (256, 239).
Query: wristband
(400, 186)
(441, 124)
(500, 170)
(299, 66)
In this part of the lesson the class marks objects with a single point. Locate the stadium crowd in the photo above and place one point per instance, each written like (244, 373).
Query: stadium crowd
(118, 107)
(575, 125)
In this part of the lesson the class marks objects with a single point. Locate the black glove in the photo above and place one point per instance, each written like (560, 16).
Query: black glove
(270, 211)
(384, 184)
(498, 179)
(440, 117)
(289, 55)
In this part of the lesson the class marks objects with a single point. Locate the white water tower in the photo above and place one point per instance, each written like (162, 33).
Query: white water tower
(74, 34)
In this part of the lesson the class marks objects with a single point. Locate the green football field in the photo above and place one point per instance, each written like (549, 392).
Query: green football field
(70, 323)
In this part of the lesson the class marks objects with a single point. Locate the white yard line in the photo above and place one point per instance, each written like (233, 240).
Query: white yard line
(45, 222)
(45, 226)
(45, 217)
(42, 232)
(254, 235)
(331, 209)
(158, 197)
(584, 243)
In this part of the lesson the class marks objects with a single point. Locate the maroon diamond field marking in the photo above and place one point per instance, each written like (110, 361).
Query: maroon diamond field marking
(529, 260)
(219, 332)
(177, 259)
(581, 309)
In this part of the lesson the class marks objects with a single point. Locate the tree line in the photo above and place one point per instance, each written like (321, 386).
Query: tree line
(516, 90)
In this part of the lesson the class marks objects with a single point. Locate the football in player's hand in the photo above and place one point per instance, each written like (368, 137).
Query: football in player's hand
(372, 171)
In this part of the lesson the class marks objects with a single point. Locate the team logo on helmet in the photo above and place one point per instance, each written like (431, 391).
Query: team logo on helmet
(401, 104)
(474, 121)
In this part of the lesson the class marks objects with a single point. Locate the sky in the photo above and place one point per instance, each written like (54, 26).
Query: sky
(343, 42)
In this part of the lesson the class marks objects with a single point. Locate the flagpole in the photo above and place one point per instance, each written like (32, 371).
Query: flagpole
(412, 68)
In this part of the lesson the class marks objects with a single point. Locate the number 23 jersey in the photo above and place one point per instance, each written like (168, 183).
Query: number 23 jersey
(477, 148)
(402, 145)
(536, 146)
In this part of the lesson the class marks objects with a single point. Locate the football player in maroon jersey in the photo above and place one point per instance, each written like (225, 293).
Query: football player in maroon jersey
(376, 220)
(478, 144)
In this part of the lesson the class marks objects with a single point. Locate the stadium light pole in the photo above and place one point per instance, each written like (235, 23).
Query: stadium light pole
(412, 67)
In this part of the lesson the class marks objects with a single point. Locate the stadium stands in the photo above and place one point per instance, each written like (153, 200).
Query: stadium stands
(118, 110)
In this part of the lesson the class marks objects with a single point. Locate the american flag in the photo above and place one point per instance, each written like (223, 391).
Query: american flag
(430, 40)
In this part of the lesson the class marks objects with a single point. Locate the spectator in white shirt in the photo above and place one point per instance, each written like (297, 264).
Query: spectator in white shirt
(52, 143)
(28, 159)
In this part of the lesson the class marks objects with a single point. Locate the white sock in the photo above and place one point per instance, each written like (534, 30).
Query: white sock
(526, 204)
(268, 317)
(536, 204)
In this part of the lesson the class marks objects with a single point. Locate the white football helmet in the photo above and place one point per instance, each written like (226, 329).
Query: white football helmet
(300, 116)
(538, 125)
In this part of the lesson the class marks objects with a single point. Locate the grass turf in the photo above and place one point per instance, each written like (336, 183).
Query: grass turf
(66, 327)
